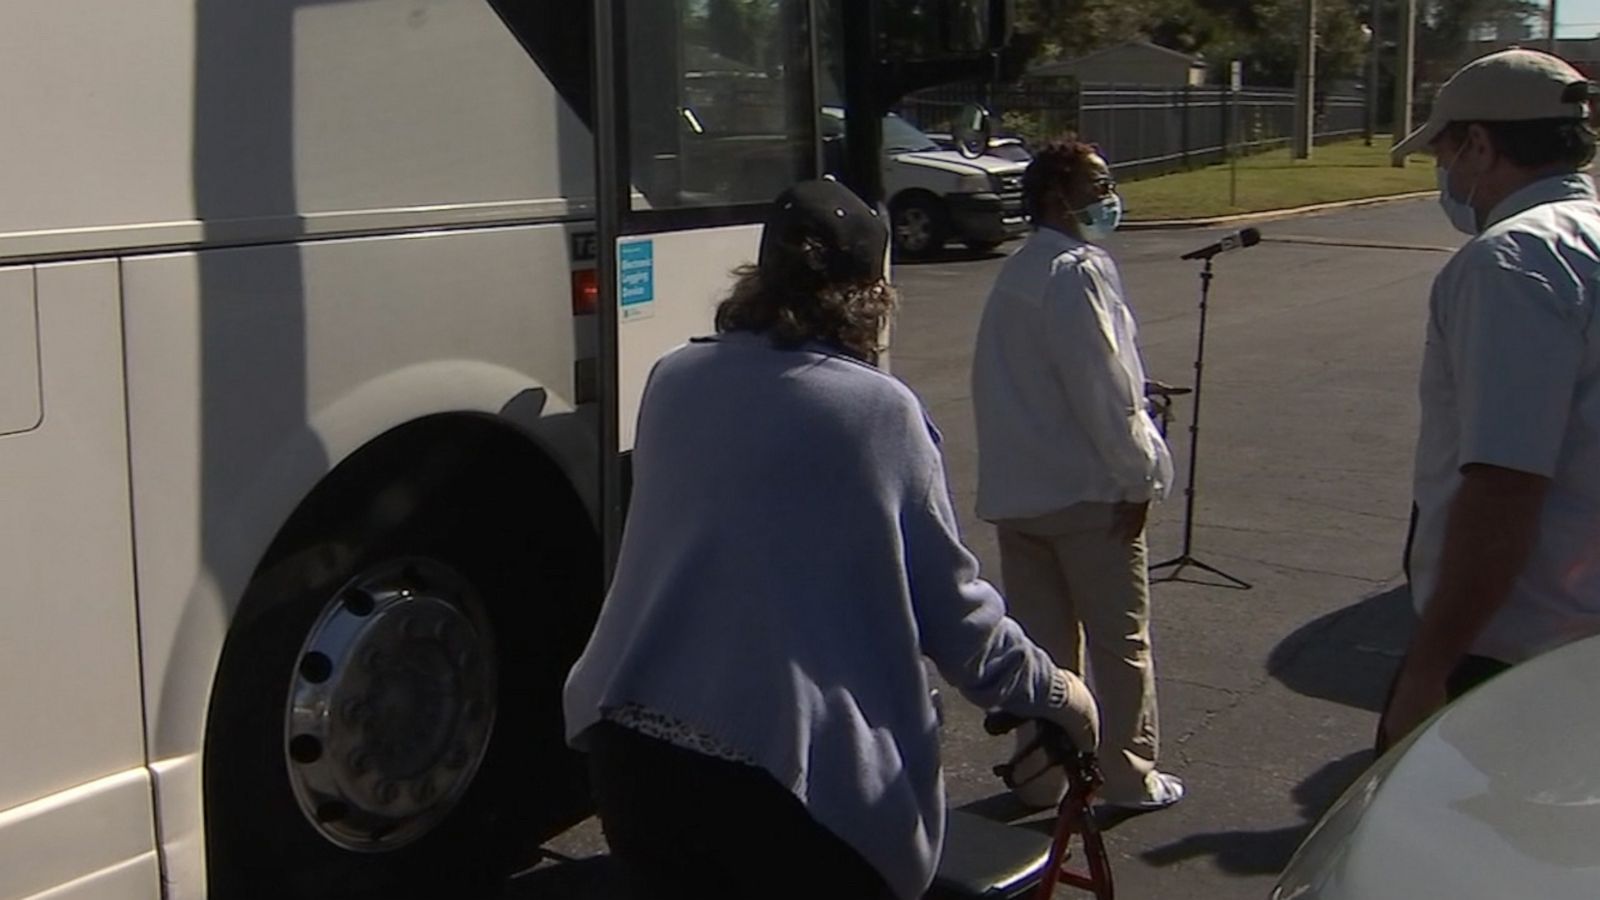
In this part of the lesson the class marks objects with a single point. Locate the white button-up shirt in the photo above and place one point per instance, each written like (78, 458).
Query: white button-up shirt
(1511, 378)
(1058, 387)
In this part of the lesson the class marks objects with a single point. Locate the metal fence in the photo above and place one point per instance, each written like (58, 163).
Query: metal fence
(1037, 109)
(1143, 130)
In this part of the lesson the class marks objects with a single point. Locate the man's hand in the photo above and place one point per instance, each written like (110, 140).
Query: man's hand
(1493, 523)
(1418, 694)
(1128, 519)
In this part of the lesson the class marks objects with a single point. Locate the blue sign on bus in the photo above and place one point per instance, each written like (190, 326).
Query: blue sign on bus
(636, 277)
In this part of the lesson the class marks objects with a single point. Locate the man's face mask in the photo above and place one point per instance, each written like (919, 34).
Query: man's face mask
(1460, 212)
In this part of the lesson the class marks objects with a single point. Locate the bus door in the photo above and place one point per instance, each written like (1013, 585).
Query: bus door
(703, 112)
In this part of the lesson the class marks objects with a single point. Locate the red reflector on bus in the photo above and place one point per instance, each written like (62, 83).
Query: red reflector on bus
(585, 292)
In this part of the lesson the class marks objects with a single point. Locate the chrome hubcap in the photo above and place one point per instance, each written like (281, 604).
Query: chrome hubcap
(392, 705)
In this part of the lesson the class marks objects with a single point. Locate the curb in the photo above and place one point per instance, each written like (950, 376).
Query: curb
(1270, 214)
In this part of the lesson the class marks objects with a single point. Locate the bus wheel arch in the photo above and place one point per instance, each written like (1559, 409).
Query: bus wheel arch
(445, 553)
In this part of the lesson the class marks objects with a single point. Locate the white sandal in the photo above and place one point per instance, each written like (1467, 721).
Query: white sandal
(1166, 791)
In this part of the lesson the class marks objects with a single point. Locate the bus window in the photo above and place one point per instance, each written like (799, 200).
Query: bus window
(715, 87)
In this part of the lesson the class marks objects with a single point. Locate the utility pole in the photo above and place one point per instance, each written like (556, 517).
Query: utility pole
(1405, 71)
(1374, 71)
(1550, 33)
(1305, 83)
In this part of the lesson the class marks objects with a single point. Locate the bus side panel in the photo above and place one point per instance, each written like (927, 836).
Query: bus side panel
(69, 662)
(99, 109)
(253, 372)
(169, 123)
(432, 103)
(95, 840)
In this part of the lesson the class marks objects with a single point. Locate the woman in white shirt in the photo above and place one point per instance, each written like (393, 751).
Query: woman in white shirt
(1069, 458)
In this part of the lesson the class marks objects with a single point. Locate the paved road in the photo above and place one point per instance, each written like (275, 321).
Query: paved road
(1268, 695)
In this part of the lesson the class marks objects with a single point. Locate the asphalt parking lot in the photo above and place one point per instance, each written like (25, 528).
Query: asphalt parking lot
(1268, 695)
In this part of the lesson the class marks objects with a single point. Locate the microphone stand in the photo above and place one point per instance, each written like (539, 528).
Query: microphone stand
(1186, 559)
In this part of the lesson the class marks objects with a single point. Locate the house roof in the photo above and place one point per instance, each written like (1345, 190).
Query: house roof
(1074, 62)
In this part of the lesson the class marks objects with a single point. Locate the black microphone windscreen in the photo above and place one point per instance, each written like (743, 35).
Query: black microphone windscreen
(1250, 237)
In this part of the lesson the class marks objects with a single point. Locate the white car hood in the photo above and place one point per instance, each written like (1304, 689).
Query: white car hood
(1499, 796)
(953, 161)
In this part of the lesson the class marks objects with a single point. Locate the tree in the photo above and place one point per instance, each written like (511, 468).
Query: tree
(1446, 30)
(729, 31)
(1261, 33)
(1273, 52)
(1068, 28)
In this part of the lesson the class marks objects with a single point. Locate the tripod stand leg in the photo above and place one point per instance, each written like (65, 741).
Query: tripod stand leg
(1186, 561)
(1243, 585)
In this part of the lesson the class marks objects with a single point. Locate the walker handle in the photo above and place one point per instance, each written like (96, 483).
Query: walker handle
(1051, 736)
(1001, 722)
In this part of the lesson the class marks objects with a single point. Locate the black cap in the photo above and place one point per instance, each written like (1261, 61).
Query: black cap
(852, 235)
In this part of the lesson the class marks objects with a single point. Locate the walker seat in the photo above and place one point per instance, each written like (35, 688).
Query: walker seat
(988, 860)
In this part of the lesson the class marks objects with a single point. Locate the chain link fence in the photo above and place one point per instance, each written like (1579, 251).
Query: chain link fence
(1142, 130)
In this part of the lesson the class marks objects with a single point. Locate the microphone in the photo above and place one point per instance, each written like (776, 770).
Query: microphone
(1239, 239)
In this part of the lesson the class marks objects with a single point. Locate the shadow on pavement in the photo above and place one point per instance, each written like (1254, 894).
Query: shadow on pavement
(1348, 656)
(1267, 852)
(1001, 807)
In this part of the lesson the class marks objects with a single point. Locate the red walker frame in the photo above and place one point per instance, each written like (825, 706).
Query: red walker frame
(1075, 815)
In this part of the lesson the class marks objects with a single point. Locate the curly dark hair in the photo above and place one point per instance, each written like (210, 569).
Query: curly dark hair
(794, 310)
(1048, 177)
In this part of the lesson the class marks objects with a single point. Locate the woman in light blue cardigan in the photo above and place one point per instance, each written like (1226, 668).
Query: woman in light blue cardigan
(753, 698)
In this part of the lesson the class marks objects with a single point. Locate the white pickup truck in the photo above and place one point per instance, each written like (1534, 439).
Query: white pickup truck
(936, 196)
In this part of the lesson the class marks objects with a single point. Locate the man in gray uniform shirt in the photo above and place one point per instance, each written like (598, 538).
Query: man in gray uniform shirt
(1505, 556)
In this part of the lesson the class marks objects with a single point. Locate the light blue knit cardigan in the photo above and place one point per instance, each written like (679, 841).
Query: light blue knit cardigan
(790, 556)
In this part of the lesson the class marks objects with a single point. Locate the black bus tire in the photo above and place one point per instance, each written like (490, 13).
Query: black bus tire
(527, 590)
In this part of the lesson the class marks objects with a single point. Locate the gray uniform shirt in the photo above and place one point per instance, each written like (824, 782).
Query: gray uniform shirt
(1511, 378)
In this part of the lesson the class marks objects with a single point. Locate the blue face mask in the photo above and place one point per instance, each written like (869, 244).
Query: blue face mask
(1099, 220)
(1460, 212)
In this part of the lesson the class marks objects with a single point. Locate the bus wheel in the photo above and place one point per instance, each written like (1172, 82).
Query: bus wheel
(386, 720)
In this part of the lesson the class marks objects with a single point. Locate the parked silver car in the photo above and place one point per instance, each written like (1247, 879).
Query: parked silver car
(1498, 796)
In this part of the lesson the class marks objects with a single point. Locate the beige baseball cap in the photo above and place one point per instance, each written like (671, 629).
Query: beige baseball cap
(1509, 86)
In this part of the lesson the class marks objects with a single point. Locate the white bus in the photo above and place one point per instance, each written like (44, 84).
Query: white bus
(313, 420)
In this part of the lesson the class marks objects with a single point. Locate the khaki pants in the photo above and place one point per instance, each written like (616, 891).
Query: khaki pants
(1070, 582)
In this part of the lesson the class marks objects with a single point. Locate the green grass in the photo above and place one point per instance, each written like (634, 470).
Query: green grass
(1348, 170)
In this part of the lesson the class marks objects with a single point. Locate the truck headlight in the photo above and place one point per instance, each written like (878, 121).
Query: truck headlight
(976, 183)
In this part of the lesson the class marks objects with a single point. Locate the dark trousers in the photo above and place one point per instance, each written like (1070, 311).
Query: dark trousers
(1468, 674)
(685, 825)
(1471, 672)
